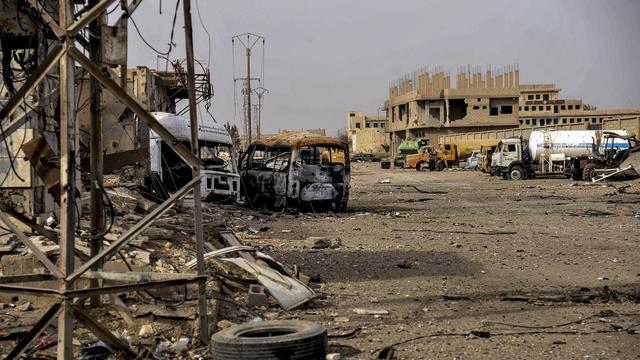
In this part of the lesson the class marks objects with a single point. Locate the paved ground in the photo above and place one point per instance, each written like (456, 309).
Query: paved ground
(456, 251)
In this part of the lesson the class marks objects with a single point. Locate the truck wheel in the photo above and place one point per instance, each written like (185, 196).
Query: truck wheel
(589, 172)
(517, 173)
(421, 166)
(439, 165)
(278, 339)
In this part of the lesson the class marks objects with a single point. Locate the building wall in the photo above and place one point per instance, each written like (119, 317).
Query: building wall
(424, 105)
(366, 133)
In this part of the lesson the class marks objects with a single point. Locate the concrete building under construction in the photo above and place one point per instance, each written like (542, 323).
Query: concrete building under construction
(424, 104)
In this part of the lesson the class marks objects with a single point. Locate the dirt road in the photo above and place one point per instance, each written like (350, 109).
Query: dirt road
(453, 252)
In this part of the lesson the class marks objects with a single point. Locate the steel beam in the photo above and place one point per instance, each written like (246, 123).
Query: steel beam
(135, 276)
(48, 20)
(103, 333)
(116, 289)
(135, 230)
(35, 331)
(38, 74)
(87, 17)
(124, 96)
(203, 331)
(23, 278)
(67, 156)
(34, 249)
(30, 290)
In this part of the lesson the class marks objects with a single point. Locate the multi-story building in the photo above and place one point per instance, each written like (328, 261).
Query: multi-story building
(366, 133)
(425, 105)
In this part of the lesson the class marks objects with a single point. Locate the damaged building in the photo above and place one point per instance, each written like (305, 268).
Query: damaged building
(367, 133)
(426, 104)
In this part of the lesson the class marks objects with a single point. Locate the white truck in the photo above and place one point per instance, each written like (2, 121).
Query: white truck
(549, 152)
(220, 179)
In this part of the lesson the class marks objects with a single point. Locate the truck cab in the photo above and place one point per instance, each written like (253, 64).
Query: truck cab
(220, 179)
(511, 159)
(407, 147)
(425, 159)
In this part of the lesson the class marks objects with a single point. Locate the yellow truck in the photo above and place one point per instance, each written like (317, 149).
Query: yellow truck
(451, 154)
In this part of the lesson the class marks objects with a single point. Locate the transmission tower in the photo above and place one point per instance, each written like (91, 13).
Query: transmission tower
(248, 41)
(260, 91)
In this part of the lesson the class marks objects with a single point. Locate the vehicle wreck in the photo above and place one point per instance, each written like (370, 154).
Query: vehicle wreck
(220, 179)
(296, 168)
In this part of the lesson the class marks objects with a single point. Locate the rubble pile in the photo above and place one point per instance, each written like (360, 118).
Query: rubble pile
(162, 322)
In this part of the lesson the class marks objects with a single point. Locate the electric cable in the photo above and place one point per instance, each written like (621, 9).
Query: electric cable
(146, 42)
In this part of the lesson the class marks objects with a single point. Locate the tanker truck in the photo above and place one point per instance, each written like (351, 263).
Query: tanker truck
(548, 152)
(452, 153)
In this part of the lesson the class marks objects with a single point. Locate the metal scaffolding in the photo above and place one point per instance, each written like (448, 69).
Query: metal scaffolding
(68, 296)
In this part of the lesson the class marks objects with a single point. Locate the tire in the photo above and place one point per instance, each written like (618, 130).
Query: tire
(516, 173)
(271, 340)
(422, 166)
(439, 165)
(589, 172)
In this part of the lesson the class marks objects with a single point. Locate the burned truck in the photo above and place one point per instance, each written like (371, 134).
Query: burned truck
(294, 169)
(220, 179)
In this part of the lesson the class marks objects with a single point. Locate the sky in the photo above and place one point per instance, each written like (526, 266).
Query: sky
(325, 58)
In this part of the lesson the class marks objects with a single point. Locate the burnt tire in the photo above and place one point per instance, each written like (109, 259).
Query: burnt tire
(439, 165)
(516, 173)
(589, 172)
(271, 340)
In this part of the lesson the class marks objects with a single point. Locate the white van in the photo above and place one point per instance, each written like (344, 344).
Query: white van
(220, 179)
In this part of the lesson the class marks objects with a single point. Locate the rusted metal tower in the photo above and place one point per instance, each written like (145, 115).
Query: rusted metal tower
(65, 52)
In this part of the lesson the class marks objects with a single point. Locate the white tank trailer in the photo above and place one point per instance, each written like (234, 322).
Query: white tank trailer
(571, 144)
(549, 152)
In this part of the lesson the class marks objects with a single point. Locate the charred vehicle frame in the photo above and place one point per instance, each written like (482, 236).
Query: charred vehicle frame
(296, 168)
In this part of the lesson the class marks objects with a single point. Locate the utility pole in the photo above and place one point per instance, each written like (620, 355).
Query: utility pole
(203, 331)
(248, 41)
(260, 91)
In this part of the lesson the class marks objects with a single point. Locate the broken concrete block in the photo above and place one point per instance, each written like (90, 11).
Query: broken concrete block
(122, 200)
(256, 296)
(141, 255)
(321, 242)
(146, 330)
(223, 324)
(25, 307)
(156, 233)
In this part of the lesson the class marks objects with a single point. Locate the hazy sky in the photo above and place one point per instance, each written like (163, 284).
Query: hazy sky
(325, 58)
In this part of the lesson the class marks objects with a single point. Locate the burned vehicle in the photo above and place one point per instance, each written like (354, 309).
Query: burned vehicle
(220, 179)
(296, 168)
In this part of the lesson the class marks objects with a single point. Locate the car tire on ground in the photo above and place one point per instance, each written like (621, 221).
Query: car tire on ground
(439, 165)
(516, 173)
(271, 340)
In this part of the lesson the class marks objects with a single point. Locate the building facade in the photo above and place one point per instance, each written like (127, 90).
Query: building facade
(425, 105)
(367, 133)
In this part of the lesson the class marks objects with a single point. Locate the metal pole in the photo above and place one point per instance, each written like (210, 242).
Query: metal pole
(68, 131)
(197, 196)
(248, 91)
(96, 158)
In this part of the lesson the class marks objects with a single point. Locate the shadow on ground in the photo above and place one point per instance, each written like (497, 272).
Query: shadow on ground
(362, 265)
